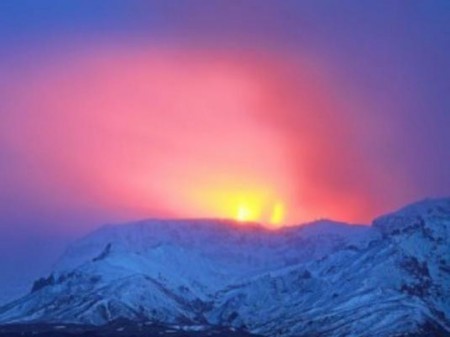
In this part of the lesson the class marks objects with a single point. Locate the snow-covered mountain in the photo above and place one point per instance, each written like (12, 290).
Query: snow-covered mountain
(322, 279)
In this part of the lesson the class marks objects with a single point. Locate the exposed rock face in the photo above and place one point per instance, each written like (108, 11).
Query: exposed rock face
(321, 279)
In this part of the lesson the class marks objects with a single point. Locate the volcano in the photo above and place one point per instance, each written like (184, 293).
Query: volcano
(219, 277)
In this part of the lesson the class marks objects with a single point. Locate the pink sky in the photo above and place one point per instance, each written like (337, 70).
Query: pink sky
(190, 133)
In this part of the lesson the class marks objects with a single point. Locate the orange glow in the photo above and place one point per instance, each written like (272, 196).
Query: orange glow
(245, 202)
(191, 134)
(255, 212)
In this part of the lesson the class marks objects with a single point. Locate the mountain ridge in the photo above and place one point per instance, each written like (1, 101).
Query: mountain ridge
(327, 278)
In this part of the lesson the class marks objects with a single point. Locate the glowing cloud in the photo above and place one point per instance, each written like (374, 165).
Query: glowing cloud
(176, 134)
(184, 133)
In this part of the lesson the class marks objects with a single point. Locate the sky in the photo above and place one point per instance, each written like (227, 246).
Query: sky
(261, 110)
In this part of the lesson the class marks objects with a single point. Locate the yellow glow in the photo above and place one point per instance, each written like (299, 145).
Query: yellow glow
(277, 214)
(242, 200)
(244, 213)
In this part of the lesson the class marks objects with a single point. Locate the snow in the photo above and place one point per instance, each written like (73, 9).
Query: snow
(325, 277)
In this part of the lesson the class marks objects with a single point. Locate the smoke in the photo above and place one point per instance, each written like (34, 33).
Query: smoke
(187, 133)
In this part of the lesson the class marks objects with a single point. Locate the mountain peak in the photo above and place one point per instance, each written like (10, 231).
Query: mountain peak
(423, 214)
(322, 278)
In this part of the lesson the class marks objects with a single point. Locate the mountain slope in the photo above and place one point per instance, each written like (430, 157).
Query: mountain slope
(166, 270)
(397, 284)
(323, 278)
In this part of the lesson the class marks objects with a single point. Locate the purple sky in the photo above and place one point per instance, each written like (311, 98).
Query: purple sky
(339, 108)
